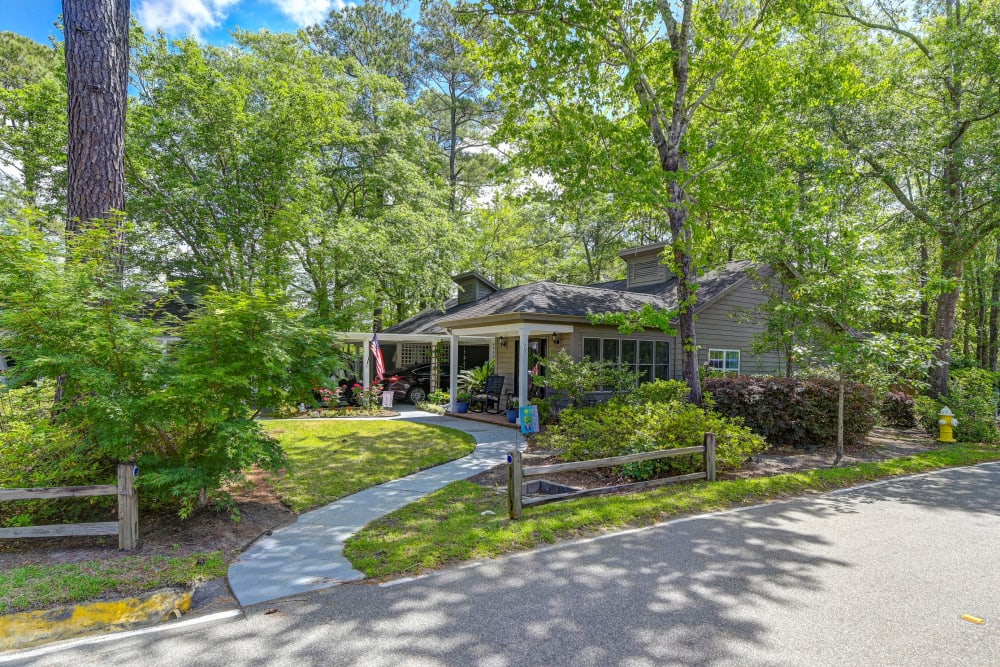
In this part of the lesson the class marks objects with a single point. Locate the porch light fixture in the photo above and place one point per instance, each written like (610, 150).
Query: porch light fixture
(555, 338)
(503, 342)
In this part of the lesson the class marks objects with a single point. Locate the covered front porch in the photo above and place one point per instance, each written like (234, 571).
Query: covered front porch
(516, 346)
(513, 346)
(408, 349)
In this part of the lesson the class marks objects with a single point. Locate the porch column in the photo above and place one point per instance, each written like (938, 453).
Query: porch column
(435, 368)
(522, 371)
(365, 365)
(453, 371)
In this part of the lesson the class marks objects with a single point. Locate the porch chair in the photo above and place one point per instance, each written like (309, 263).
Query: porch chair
(490, 394)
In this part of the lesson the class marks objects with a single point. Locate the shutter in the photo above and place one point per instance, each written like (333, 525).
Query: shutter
(646, 272)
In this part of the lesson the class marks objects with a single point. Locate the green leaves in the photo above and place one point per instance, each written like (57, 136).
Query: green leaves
(32, 127)
(179, 396)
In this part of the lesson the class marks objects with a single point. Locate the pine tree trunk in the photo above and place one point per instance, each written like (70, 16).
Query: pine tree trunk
(453, 153)
(97, 82)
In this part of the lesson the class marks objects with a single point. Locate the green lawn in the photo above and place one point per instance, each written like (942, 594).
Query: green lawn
(330, 458)
(449, 526)
(335, 458)
(34, 586)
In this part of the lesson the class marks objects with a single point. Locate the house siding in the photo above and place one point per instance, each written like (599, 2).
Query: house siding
(505, 356)
(505, 361)
(730, 323)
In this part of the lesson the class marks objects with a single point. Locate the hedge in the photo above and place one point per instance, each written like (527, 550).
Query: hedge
(898, 410)
(795, 412)
(617, 428)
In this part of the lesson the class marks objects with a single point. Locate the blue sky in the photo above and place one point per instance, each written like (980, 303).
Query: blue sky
(209, 20)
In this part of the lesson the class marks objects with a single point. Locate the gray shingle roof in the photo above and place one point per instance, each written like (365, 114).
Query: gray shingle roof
(710, 285)
(551, 298)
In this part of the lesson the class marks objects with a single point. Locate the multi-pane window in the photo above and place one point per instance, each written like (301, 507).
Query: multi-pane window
(648, 357)
(727, 361)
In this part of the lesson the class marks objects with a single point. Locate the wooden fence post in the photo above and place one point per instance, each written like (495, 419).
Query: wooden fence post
(128, 507)
(515, 480)
(710, 457)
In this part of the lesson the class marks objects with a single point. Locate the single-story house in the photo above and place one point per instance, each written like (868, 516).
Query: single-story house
(545, 317)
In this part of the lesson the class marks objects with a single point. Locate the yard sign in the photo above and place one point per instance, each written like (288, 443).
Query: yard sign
(529, 419)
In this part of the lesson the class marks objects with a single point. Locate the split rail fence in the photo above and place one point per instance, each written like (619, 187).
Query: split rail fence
(516, 474)
(126, 528)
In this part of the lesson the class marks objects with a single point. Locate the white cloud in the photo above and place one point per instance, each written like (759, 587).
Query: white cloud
(307, 12)
(187, 17)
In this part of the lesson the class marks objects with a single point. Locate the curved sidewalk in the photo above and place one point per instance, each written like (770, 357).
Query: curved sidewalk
(309, 554)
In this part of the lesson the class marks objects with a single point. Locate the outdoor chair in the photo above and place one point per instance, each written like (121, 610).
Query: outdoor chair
(490, 395)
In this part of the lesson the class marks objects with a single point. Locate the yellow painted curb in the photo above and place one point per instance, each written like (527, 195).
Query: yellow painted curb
(30, 628)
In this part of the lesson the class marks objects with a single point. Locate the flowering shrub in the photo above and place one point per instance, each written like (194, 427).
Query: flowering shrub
(370, 399)
(897, 410)
(329, 396)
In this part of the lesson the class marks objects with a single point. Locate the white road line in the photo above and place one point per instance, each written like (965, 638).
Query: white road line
(101, 639)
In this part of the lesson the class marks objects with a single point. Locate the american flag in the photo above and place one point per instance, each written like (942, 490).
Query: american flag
(379, 361)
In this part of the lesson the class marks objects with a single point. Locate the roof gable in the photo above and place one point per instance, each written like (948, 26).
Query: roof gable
(473, 286)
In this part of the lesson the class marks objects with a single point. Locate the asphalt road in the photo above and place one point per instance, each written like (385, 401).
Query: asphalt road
(879, 575)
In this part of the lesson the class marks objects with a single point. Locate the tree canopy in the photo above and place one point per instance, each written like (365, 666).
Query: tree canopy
(352, 168)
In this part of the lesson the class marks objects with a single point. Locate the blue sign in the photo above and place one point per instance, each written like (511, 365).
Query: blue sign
(529, 419)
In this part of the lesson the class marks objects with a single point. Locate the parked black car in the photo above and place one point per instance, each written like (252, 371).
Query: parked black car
(414, 383)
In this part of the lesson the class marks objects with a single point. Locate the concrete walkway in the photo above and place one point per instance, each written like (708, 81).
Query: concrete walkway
(309, 554)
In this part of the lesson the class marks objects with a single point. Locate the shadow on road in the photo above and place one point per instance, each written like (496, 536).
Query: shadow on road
(689, 592)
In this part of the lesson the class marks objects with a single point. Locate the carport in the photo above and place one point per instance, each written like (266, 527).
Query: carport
(363, 341)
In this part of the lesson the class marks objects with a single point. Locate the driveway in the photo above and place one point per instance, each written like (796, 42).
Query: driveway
(875, 575)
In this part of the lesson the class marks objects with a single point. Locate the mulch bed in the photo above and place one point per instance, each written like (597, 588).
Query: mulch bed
(165, 534)
(334, 414)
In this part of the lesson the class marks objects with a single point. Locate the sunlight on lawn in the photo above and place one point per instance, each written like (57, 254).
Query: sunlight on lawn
(332, 459)
(464, 521)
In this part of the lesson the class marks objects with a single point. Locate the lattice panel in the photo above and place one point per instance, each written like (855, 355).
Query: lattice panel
(414, 353)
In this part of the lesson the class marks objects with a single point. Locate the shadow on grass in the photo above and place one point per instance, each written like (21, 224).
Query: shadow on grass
(700, 591)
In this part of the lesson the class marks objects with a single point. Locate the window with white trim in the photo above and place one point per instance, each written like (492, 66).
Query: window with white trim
(727, 361)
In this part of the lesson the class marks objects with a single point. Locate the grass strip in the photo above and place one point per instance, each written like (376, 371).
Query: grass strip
(331, 459)
(465, 521)
(39, 586)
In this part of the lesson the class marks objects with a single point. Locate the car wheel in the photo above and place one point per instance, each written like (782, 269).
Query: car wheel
(417, 395)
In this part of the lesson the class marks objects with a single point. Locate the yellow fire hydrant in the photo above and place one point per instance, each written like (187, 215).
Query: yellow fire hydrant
(948, 424)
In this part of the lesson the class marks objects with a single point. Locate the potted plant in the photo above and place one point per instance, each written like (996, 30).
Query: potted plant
(462, 401)
(474, 379)
(512, 406)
